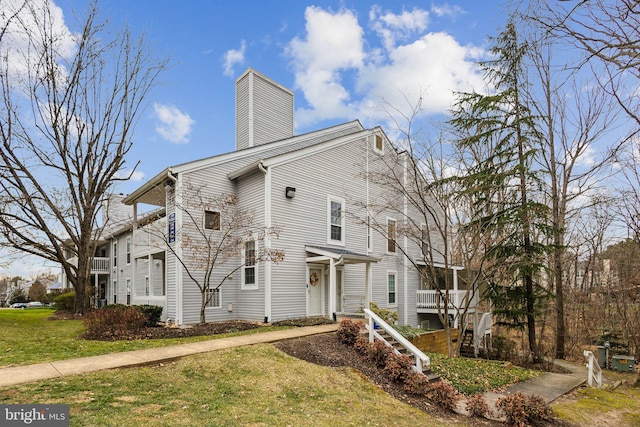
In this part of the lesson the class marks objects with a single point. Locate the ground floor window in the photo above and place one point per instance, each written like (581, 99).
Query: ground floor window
(214, 299)
(391, 289)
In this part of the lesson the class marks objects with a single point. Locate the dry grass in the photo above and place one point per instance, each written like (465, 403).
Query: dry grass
(256, 385)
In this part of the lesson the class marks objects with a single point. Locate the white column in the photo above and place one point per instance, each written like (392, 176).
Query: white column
(367, 286)
(267, 244)
(332, 288)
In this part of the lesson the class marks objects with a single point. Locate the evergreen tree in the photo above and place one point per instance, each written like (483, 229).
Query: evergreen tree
(499, 132)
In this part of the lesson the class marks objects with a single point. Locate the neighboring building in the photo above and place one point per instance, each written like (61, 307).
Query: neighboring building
(311, 187)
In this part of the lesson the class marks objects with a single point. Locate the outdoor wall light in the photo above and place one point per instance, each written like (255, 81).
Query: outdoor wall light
(290, 192)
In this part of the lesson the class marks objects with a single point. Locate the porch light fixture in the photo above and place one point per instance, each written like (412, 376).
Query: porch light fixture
(290, 192)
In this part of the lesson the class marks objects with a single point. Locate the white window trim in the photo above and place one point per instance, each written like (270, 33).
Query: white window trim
(114, 254)
(213, 289)
(342, 202)
(386, 240)
(128, 250)
(204, 219)
(423, 242)
(375, 148)
(147, 286)
(255, 286)
(395, 274)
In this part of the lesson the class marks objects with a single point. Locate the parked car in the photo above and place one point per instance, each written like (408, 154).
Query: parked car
(19, 305)
(35, 304)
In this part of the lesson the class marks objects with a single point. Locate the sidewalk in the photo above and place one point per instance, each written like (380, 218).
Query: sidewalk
(42, 371)
(549, 386)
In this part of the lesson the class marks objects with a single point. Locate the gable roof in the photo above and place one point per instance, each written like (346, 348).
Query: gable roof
(153, 190)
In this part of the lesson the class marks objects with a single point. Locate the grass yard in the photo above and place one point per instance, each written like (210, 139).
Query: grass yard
(253, 385)
(473, 376)
(27, 337)
(603, 407)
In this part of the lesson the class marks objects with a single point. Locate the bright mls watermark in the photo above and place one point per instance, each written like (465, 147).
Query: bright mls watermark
(34, 415)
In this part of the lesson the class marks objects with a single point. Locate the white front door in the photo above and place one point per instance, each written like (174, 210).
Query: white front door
(314, 291)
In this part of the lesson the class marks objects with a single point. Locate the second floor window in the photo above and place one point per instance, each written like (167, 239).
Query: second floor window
(249, 269)
(211, 220)
(128, 250)
(115, 254)
(391, 235)
(336, 220)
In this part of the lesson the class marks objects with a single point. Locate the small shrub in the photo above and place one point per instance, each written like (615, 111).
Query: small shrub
(398, 366)
(362, 344)
(416, 384)
(443, 394)
(538, 409)
(349, 331)
(504, 348)
(114, 322)
(520, 409)
(408, 331)
(152, 313)
(378, 352)
(65, 301)
(477, 406)
(389, 316)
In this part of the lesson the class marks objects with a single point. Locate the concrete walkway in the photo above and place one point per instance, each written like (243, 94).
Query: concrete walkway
(549, 386)
(42, 371)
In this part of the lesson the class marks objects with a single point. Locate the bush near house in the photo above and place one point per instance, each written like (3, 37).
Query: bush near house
(152, 313)
(65, 301)
(114, 321)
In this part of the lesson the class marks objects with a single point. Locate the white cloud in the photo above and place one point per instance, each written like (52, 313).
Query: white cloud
(391, 27)
(234, 57)
(174, 125)
(24, 30)
(333, 43)
(411, 62)
(446, 9)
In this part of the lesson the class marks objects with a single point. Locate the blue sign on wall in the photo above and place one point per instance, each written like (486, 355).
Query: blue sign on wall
(172, 228)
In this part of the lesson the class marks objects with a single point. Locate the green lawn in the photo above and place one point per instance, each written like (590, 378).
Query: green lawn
(254, 385)
(472, 376)
(28, 337)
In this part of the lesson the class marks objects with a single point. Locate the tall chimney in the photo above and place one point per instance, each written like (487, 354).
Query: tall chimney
(264, 110)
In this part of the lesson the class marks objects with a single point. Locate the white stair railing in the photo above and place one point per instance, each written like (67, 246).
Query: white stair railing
(481, 331)
(421, 359)
(595, 372)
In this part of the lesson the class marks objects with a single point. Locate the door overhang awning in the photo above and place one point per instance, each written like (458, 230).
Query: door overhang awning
(323, 255)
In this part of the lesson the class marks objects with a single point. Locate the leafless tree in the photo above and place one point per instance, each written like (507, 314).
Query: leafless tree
(415, 189)
(69, 103)
(218, 238)
(608, 34)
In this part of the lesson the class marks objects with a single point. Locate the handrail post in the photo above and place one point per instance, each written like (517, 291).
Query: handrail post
(370, 329)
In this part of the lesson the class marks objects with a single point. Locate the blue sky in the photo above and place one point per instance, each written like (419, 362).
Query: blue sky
(341, 58)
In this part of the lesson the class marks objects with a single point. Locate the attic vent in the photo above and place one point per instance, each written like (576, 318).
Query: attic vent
(378, 144)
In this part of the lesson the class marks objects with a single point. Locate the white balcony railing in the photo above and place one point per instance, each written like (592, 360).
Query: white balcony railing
(432, 299)
(99, 264)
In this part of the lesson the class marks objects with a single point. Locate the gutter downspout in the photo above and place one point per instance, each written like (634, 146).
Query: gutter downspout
(178, 246)
(267, 240)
